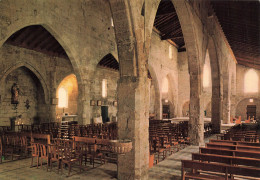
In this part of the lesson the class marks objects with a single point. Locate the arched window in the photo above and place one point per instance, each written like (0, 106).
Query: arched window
(251, 82)
(63, 98)
(165, 85)
(104, 88)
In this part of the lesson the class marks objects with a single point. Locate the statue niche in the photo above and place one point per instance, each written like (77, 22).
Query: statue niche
(15, 94)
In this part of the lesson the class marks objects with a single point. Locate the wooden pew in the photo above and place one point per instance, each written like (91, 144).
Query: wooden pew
(224, 169)
(231, 160)
(243, 143)
(233, 147)
(226, 152)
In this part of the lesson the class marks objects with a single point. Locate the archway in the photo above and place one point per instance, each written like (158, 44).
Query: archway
(67, 94)
(47, 43)
(242, 106)
(133, 52)
(31, 107)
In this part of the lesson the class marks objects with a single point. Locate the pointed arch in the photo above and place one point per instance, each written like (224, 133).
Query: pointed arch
(109, 61)
(33, 70)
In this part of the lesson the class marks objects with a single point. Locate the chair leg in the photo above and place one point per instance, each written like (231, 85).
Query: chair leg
(37, 162)
(61, 167)
(69, 168)
(41, 162)
(51, 164)
(32, 162)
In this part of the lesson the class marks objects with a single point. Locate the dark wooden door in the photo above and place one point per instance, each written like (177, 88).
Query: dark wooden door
(251, 111)
(104, 113)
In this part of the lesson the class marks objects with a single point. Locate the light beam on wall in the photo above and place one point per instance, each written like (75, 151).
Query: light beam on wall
(63, 98)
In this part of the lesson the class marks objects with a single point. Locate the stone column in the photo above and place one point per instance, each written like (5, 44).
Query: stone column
(53, 91)
(216, 108)
(158, 107)
(196, 122)
(226, 99)
(84, 108)
(133, 112)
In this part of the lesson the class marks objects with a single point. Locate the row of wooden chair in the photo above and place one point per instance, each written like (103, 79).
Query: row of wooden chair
(224, 159)
(104, 131)
(239, 133)
(165, 138)
(69, 152)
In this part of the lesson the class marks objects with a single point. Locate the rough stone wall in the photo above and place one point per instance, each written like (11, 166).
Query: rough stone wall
(83, 28)
(28, 90)
(40, 65)
(112, 77)
(163, 66)
(183, 84)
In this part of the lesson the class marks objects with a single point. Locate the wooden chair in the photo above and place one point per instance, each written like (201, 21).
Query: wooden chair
(35, 153)
(93, 153)
(69, 158)
(44, 154)
(55, 155)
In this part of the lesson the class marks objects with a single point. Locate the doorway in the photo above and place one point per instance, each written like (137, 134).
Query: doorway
(251, 111)
(104, 114)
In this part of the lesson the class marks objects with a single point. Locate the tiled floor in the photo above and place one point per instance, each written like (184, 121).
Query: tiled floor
(170, 168)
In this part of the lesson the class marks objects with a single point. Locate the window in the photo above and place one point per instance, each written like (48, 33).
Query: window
(112, 22)
(170, 51)
(63, 98)
(165, 85)
(251, 82)
(104, 88)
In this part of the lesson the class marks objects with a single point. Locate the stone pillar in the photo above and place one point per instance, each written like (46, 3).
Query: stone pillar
(53, 96)
(216, 108)
(226, 99)
(84, 108)
(196, 122)
(158, 107)
(133, 124)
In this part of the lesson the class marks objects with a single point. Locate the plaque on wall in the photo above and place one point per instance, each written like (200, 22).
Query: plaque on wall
(99, 103)
(92, 103)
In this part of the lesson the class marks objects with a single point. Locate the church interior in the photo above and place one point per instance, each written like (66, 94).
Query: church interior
(129, 89)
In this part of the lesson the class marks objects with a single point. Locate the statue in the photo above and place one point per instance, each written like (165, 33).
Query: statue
(15, 94)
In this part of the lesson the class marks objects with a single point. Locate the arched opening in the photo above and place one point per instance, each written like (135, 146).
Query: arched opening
(37, 48)
(106, 78)
(248, 108)
(251, 80)
(67, 94)
(29, 106)
(207, 72)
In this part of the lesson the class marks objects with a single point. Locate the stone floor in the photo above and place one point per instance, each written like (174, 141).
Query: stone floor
(170, 168)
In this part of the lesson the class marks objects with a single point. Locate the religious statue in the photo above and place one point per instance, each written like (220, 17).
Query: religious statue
(15, 94)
